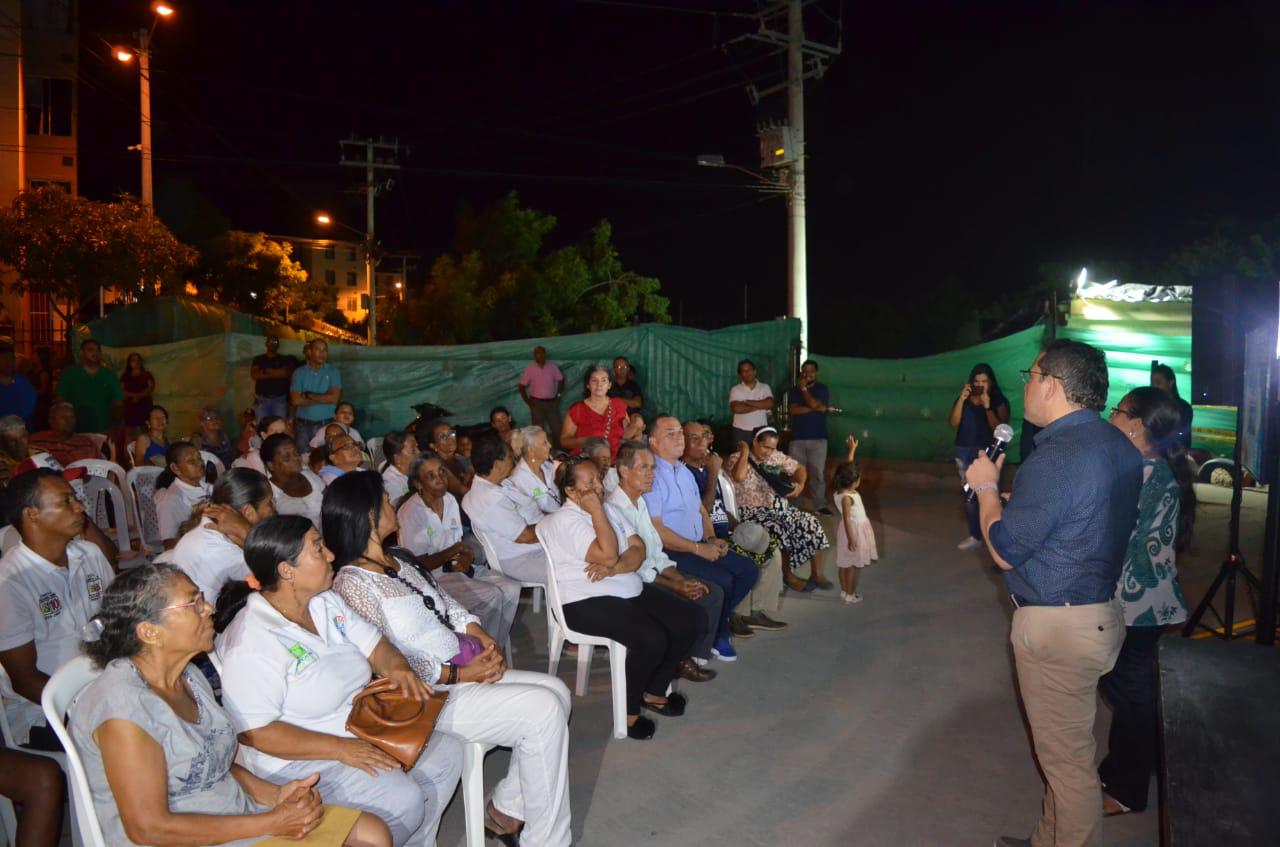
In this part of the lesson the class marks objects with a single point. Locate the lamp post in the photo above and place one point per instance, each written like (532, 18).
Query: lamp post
(327, 220)
(143, 52)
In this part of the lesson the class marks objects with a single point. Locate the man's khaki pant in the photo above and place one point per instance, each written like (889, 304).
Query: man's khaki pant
(765, 594)
(1061, 652)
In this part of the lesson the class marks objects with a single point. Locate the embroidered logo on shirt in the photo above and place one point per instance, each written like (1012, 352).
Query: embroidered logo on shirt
(50, 605)
(303, 658)
(93, 583)
(341, 623)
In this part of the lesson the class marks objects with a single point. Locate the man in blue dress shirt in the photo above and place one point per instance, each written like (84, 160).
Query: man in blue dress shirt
(1060, 542)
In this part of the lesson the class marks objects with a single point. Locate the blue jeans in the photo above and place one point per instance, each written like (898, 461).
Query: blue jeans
(264, 406)
(964, 458)
(736, 575)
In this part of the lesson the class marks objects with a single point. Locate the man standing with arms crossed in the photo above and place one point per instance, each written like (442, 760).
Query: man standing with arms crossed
(751, 401)
(314, 392)
(1061, 542)
(808, 404)
(540, 387)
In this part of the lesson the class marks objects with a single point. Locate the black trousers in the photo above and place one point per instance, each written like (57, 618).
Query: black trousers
(1133, 746)
(657, 627)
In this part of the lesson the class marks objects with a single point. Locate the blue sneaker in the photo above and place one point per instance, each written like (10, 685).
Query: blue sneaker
(723, 650)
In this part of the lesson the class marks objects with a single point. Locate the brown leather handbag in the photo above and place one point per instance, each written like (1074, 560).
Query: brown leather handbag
(395, 723)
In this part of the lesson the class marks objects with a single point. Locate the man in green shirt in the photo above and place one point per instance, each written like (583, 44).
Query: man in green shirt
(93, 390)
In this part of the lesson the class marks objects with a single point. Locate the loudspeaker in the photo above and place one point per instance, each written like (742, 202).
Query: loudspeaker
(1223, 310)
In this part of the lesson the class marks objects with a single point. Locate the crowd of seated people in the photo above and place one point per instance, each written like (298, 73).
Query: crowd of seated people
(639, 553)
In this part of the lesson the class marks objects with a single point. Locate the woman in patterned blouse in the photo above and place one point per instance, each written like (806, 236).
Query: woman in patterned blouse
(1148, 592)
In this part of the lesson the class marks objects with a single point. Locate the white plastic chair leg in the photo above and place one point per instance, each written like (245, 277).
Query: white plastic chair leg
(473, 790)
(555, 646)
(506, 649)
(584, 668)
(535, 599)
(618, 677)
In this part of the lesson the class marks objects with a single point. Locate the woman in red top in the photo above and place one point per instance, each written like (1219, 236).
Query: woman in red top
(598, 414)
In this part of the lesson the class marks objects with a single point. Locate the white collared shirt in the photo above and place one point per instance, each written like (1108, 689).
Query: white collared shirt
(47, 605)
(568, 534)
(309, 506)
(633, 519)
(423, 532)
(252, 459)
(209, 558)
(541, 491)
(758, 417)
(395, 483)
(274, 670)
(495, 511)
(174, 505)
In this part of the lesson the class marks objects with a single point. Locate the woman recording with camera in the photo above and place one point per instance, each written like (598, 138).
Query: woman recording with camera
(979, 409)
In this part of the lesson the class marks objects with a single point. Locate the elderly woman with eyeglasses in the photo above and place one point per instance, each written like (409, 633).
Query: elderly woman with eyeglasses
(159, 752)
(344, 457)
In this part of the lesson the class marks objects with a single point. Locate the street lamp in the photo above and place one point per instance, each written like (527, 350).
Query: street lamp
(143, 52)
(370, 319)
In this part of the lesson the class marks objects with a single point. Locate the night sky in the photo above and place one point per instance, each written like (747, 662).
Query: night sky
(951, 145)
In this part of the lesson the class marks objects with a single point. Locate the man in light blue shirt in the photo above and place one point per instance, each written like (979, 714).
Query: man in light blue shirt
(628, 511)
(675, 506)
(314, 392)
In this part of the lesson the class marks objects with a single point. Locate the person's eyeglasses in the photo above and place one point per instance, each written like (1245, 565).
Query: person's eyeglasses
(445, 436)
(1026, 375)
(1116, 410)
(199, 601)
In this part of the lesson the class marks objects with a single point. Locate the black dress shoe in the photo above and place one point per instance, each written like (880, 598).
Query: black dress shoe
(642, 730)
(738, 627)
(673, 708)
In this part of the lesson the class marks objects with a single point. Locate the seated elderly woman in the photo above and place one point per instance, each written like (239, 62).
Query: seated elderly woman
(211, 554)
(179, 489)
(159, 752)
(597, 450)
(267, 427)
(595, 570)
(534, 474)
(430, 525)
(525, 711)
(211, 438)
(294, 654)
(400, 448)
(344, 457)
(297, 489)
(759, 474)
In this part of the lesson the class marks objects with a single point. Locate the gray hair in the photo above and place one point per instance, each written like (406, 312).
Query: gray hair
(136, 596)
(11, 423)
(594, 443)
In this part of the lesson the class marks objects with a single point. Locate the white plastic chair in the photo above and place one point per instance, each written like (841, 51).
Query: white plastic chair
(727, 496)
(99, 440)
(7, 813)
(218, 467)
(98, 492)
(9, 538)
(491, 558)
(128, 448)
(117, 474)
(142, 485)
(374, 446)
(558, 632)
(473, 753)
(59, 693)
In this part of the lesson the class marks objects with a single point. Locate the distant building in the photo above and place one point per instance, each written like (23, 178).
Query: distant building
(341, 264)
(39, 48)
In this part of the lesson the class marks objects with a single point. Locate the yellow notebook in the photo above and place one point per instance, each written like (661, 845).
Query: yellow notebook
(334, 828)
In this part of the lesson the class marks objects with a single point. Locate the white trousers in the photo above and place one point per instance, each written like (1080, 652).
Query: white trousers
(410, 804)
(528, 712)
(531, 567)
(488, 595)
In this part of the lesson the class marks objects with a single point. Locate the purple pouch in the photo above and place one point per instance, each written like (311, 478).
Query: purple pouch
(468, 648)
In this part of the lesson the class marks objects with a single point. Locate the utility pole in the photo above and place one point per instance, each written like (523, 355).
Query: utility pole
(805, 60)
(144, 75)
(379, 155)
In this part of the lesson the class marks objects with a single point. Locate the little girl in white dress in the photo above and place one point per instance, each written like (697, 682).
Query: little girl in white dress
(855, 541)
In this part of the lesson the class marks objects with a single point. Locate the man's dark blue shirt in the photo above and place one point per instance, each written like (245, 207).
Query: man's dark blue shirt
(1074, 506)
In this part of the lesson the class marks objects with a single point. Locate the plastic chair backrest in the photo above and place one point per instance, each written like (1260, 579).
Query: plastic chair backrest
(553, 598)
(374, 446)
(727, 496)
(99, 440)
(9, 538)
(490, 555)
(98, 491)
(59, 693)
(142, 482)
(218, 467)
(128, 448)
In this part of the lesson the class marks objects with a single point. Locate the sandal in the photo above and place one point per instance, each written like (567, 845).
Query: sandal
(492, 829)
(1121, 808)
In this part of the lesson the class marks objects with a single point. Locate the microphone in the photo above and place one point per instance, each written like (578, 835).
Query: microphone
(1003, 435)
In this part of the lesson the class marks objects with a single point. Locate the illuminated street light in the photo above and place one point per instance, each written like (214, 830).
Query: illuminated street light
(124, 55)
(164, 10)
(143, 52)
(322, 218)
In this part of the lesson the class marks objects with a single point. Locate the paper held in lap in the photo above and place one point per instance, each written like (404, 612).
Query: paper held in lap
(334, 828)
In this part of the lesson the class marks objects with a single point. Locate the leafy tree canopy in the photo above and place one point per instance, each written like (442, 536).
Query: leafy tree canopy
(254, 274)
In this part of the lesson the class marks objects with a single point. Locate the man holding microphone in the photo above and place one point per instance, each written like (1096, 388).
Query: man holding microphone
(1060, 541)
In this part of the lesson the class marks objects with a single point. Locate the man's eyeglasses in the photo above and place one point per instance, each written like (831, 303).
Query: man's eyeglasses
(1026, 375)
(445, 436)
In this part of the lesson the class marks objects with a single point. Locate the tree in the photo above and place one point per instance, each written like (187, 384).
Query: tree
(499, 283)
(66, 247)
(252, 273)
